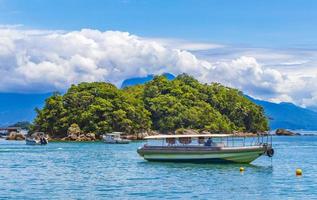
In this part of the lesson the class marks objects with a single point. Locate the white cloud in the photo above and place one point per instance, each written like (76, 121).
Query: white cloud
(56, 59)
(185, 45)
(41, 61)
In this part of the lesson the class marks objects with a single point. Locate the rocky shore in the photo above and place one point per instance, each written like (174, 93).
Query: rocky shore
(245, 134)
(284, 132)
(15, 136)
(76, 135)
(139, 136)
(81, 137)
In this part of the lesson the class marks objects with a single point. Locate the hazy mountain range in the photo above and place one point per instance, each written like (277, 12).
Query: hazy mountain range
(288, 115)
(142, 80)
(16, 107)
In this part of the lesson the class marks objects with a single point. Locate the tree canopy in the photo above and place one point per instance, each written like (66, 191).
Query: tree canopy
(160, 104)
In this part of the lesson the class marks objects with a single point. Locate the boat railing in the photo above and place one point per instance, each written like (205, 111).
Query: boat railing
(259, 139)
(230, 141)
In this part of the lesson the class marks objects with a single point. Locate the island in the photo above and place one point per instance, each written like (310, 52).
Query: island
(88, 110)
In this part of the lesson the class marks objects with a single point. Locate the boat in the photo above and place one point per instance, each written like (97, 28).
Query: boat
(32, 141)
(38, 140)
(206, 148)
(114, 138)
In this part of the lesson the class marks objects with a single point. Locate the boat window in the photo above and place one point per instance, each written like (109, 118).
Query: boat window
(185, 140)
(201, 140)
(170, 141)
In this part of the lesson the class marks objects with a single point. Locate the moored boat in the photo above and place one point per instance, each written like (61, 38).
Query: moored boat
(206, 148)
(32, 141)
(39, 139)
(114, 138)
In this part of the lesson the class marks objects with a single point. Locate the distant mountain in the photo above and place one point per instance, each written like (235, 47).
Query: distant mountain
(142, 80)
(288, 115)
(19, 107)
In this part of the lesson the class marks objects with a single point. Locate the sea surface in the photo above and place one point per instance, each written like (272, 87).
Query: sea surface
(104, 171)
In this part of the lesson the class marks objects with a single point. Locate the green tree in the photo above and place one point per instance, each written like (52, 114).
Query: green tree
(52, 119)
(160, 104)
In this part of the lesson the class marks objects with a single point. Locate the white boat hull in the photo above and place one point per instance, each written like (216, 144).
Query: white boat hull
(35, 142)
(32, 142)
(117, 142)
(211, 155)
(114, 140)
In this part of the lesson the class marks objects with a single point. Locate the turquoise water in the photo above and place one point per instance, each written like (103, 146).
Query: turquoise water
(103, 171)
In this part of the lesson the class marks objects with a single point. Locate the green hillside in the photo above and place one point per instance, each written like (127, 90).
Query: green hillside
(158, 105)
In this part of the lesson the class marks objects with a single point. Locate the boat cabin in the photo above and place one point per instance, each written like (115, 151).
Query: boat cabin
(114, 138)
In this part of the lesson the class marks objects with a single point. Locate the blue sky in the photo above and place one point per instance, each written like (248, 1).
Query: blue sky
(246, 22)
(266, 48)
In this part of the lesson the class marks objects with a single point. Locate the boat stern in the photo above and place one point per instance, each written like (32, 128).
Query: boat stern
(269, 151)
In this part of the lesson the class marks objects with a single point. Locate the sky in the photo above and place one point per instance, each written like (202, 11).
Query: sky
(267, 49)
(249, 22)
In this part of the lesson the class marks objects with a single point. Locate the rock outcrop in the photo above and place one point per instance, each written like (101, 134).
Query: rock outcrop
(183, 131)
(139, 136)
(284, 132)
(243, 134)
(15, 136)
(74, 133)
(80, 137)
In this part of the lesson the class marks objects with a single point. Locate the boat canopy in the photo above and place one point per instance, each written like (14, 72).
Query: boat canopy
(186, 136)
(114, 134)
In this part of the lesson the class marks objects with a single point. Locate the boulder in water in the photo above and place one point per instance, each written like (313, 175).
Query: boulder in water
(284, 132)
(15, 136)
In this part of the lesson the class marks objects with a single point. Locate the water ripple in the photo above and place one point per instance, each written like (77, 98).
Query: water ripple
(99, 171)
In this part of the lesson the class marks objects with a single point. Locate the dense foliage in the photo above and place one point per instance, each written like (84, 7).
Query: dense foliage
(159, 105)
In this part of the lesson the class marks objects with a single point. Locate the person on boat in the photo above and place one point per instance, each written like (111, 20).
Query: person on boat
(43, 140)
(208, 142)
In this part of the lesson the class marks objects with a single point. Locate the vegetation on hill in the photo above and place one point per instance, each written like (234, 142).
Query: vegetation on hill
(158, 105)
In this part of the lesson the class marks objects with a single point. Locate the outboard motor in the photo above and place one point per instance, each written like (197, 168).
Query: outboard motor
(43, 141)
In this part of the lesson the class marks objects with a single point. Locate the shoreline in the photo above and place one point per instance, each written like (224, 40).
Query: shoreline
(133, 138)
(136, 140)
(91, 137)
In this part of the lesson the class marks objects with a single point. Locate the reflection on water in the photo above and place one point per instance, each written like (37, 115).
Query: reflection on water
(99, 171)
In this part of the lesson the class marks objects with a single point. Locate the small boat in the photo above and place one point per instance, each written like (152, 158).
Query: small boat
(40, 140)
(206, 148)
(32, 141)
(114, 138)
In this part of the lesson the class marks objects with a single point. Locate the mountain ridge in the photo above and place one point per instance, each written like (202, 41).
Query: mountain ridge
(287, 115)
(142, 80)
